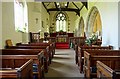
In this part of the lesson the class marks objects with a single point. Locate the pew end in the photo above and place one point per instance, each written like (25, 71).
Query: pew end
(22, 71)
(109, 57)
(103, 71)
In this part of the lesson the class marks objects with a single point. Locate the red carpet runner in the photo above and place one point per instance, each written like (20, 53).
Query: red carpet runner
(63, 45)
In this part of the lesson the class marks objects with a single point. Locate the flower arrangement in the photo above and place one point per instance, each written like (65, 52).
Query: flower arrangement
(61, 31)
(91, 39)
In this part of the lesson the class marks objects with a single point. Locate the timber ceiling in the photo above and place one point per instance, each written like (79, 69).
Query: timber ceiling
(75, 6)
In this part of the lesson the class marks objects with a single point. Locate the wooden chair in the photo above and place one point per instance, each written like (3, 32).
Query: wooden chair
(34, 37)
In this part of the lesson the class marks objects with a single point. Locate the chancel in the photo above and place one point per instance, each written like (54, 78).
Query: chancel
(42, 39)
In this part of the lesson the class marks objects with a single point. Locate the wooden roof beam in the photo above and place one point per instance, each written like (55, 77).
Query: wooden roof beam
(75, 5)
(67, 4)
(81, 7)
(85, 3)
(45, 7)
(55, 4)
(65, 9)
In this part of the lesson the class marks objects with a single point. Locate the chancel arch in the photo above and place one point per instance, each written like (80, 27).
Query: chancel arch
(94, 24)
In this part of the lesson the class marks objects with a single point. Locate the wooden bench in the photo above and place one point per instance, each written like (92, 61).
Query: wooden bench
(36, 54)
(79, 56)
(108, 57)
(104, 71)
(51, 39)
(77, 41)
(46, 49)
(11, 69)
(51, 46)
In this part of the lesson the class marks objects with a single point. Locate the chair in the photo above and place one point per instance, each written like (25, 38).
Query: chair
(34, 37)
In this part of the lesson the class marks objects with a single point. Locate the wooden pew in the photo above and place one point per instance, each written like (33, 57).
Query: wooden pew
(51, 39)
(108, 57)
(16, 70)
(79, 56)
(81, 42)
(51, 46)
(36, 54)
(46, 49)
(47, 54)
(77, 41)
(104, 71)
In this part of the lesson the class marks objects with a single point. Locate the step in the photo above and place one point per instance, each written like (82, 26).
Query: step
(62, 47)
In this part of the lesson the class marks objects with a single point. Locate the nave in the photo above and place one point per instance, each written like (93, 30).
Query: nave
(63, 65)
(43, 61)
(89, 27)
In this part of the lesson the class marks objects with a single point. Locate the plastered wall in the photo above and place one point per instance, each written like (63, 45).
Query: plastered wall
(38, 16)
(108, 13)
(0, 24)
(8, 25)
(71, 18)
(109, 21)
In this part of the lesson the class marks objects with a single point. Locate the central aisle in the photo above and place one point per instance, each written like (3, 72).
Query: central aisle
(63, 64)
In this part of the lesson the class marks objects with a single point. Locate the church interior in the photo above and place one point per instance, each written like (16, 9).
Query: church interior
(49, 39)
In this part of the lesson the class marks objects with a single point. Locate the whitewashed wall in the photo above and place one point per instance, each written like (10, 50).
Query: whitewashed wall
(109, 18)
(119, 24)
(8, 25)
(72, 17)
(0, 24)
(37, 10)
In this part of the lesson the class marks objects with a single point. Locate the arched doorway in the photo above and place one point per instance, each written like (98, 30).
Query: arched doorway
(94, 24)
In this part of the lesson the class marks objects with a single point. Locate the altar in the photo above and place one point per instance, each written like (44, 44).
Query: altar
(62, 39)
(61, 33)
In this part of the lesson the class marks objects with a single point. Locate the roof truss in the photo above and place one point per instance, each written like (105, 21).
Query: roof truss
(76, 10)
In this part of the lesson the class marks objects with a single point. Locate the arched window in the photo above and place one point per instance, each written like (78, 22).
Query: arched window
(21, 16)
(60, 22)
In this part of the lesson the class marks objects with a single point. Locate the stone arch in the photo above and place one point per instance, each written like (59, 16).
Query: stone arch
(94, 24)
(81, 27)
(75, 33)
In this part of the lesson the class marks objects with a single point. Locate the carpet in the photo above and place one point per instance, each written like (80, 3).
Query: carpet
(62, 45)
(63, 65)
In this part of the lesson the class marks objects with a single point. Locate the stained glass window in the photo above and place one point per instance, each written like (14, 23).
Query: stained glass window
(61, 22)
